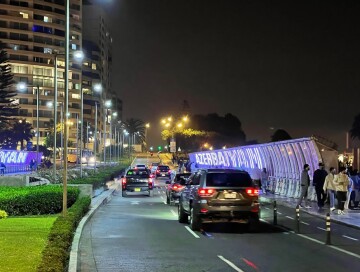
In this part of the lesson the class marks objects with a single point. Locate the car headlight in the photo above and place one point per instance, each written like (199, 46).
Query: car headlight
(92, 159)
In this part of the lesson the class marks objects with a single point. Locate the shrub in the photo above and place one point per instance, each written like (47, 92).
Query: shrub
(3, 214)
(56, 253)
(35, 200)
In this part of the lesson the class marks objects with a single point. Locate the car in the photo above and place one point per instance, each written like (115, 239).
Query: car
(137, 180)
(175, 187)
(163, 171)
(219, 195)
(140, 166)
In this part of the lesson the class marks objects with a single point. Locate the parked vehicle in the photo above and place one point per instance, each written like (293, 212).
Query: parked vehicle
(219, 195)
(137, 180)
(175, 187)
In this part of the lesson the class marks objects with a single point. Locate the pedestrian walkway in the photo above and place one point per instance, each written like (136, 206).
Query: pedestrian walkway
(351, 217)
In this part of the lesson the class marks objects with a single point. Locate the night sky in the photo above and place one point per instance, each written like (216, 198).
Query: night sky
(283, 64)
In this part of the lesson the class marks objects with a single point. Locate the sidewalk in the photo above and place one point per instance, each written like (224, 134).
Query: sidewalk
(96, 202)
(351, 217)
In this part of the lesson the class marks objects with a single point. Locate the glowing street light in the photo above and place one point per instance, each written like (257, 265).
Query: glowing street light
(185, 119)
(179, 125)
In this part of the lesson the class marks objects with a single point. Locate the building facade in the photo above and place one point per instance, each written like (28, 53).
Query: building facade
(32, 31)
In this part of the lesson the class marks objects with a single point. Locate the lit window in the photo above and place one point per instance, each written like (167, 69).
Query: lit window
(47, 19)
(24, 15)
(93, 66)
(47, 50)
(73, 46)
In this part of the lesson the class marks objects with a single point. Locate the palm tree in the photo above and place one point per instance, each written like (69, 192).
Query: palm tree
(22, 131)
(355, 129)
(135, 126)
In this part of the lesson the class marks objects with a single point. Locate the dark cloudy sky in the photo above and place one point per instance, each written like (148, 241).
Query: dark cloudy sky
(282, 64)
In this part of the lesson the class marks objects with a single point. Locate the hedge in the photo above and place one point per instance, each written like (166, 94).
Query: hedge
(35, 200)
(99, 179)
(56, 253)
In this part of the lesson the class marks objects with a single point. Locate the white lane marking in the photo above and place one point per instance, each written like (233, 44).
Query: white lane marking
(302, 222)
(164, 202)
(135, 202)
(311, 239)
(351, 238)
(174, 213)
(279, 213)
(230, 264)
(346, 252)
(321, 228)
(263, 220)
(267, 208)
(333, 247)
(193, 233)
(162, 197)
(290, 217)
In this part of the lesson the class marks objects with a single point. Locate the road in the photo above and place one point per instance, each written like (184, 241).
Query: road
(140, 233)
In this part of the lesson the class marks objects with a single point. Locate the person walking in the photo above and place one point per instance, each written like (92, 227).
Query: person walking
(356, 179)
(330, 187)
(341, 182)
(256, 175)
(305, 183)
(264, 180)
(2, 168)
(318, 181)
(350, 188)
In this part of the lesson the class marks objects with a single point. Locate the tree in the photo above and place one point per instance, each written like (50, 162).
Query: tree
(355, 129)
(8, 107)
(22, 131)
(280, 135)
(135, 126)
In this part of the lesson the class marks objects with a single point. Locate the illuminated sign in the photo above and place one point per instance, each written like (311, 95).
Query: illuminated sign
(236, 158)
(15, 157)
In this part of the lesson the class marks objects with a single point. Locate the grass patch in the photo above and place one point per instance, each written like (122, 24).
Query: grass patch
(22, 240)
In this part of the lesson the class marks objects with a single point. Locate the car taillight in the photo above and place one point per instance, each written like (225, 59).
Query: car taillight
(152, 176)
(252, 191)
(169, 171)
(157, 171)
(150, 182)
(123, 183)
(206, 192)
(177, 187)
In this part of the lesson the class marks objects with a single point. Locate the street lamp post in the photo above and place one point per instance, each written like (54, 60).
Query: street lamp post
(21, 86)
(98, 89)
(107, 106)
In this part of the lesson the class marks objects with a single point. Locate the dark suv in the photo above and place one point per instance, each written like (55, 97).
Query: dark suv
(163, 171)
(219, 195)
(137, 180)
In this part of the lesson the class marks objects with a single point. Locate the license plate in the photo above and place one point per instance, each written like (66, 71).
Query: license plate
(163, 175)
(137, 189)
(230, 195)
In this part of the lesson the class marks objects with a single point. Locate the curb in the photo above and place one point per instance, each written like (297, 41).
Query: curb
(104, 198)
(337, 221)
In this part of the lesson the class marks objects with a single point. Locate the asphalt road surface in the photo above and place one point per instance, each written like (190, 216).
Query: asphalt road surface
(141, 233)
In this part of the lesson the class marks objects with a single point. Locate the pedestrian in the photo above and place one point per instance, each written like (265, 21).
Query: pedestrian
(2, 168)
(341, 182)
(256, 176)
(318, 181)
(264, 180)
(330, 187)
(305, 183)
(356, 180)
(350, 189)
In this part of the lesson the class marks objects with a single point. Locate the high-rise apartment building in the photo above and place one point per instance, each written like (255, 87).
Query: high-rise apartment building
(32, 30)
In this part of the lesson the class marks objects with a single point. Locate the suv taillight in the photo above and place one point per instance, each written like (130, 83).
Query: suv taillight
(123, 183)
(206, 192)
(177, 187)
(252, 191)
(150, 182)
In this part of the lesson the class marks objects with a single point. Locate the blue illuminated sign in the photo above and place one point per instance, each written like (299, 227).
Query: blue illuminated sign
(15, 157)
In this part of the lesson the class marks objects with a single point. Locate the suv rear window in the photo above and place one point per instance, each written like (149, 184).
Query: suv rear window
(228, 180)
(141, 173)
(164, 168)
(182, 176)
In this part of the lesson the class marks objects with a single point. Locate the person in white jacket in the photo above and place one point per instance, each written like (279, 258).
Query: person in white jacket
(342, 182)
(330, 187)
